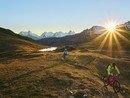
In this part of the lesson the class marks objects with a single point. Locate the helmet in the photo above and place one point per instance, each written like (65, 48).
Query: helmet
(113, 63)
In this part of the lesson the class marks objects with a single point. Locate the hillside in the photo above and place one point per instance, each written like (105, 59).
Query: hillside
(13, 44)
(114, 45)
(68, 40)
(47, 75)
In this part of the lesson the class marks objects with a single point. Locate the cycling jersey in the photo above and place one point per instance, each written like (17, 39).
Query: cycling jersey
(112, 69)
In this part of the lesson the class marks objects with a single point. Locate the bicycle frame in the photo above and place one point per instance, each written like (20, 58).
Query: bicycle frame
(111, 80)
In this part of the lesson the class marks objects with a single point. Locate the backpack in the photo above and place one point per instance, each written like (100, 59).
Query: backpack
(65, 52)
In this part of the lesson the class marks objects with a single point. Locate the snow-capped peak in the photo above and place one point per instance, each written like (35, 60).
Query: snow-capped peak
(98, 29)
(29, 34)
(57, 34)
(46, 34)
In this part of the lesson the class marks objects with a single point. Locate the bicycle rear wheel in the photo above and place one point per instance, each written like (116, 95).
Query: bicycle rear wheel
(116, 86)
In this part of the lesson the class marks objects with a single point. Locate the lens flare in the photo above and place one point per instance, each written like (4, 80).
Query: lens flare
(110, 40)
(111, 27)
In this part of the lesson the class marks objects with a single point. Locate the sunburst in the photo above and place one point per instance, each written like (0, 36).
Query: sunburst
(111, 37)
(111, 26)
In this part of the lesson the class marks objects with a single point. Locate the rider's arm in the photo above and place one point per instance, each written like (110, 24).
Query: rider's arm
(117, 70)
(108, 70)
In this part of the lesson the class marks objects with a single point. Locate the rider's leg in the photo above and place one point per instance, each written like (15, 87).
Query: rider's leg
(108, 80)
(64, 57)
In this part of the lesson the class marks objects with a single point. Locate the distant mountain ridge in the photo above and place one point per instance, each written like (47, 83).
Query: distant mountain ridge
(29, 34)
(85, 36)
(127, 25)
(46, 34)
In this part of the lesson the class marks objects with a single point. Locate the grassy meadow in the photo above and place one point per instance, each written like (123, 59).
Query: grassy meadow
(47, 75)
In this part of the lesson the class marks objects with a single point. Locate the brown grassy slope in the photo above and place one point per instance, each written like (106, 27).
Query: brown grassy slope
(9, 41)
(121, 48)
(13, 44)
(46, 75)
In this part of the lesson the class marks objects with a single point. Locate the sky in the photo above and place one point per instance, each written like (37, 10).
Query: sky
(40, 16)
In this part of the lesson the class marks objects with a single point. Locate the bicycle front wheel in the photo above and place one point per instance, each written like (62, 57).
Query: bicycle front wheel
(116, 86)
(105, 81)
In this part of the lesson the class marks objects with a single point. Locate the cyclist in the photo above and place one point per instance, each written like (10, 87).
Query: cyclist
(112, 69)
(65, 54)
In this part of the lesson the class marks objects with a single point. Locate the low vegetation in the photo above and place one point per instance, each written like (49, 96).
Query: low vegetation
(48, 75)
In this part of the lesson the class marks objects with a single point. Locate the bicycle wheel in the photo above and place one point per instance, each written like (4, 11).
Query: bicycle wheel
(116, 86)
(104, 90)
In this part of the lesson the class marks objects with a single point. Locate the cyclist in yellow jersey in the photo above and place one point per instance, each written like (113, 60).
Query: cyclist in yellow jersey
(112, 69)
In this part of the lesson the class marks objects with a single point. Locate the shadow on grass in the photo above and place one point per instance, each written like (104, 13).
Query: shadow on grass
(76, 65)
(9, 81)
(8, 56)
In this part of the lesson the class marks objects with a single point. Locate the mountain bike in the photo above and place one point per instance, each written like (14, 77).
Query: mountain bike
(112, 81)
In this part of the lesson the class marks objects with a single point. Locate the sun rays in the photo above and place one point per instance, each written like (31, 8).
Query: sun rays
(111, 38)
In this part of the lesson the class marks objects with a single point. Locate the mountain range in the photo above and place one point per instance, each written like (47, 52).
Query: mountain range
(69, 38)
(45, 34)
(78, 38)
(84, 36)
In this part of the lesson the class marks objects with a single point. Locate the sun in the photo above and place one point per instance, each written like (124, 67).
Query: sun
(111, 27)
(112, 33)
